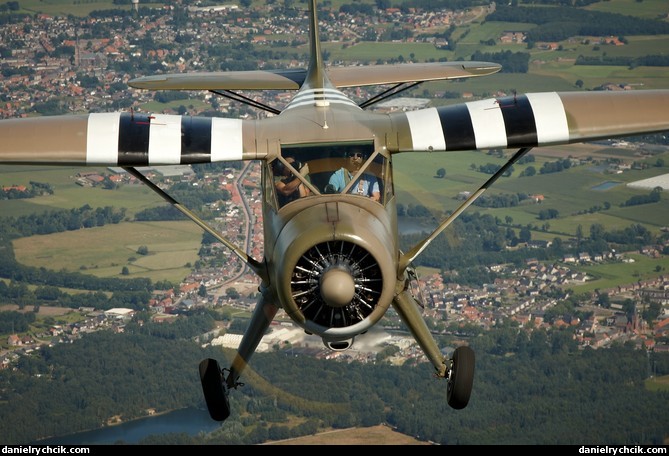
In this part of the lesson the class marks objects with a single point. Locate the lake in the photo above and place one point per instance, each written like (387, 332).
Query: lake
(415, 225)
(190, 421)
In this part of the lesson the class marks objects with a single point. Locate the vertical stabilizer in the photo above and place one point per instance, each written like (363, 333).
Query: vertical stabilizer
(316, 76)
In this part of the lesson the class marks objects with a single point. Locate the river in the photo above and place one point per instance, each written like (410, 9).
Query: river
(190, 421)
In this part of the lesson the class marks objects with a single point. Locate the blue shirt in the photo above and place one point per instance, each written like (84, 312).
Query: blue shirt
(366, 185)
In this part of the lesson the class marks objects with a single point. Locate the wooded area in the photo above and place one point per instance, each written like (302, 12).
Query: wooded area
(528, 390)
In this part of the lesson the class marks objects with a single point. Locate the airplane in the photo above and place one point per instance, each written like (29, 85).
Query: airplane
(331, 257)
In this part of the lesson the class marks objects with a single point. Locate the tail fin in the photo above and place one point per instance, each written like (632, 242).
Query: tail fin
(316, 75)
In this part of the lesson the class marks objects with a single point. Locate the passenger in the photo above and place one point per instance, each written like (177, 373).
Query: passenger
(366, 185)
(288, 186)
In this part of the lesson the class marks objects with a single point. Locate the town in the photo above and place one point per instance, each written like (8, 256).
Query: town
(85, 64)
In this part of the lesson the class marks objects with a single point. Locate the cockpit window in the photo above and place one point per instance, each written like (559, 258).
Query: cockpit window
(289, 181)
(351, 168)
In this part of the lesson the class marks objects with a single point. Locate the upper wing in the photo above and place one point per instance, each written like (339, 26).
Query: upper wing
(533, 119)
(347, 76)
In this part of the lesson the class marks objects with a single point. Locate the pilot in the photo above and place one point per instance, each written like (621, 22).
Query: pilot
(366, 185)
(288, 186)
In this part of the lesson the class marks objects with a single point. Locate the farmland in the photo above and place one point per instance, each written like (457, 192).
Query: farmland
(416, 184)
(104, 251)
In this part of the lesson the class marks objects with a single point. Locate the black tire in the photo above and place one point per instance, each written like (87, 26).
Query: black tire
(215, 394)
(462, 378)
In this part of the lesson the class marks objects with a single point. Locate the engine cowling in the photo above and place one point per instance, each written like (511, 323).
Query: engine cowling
(334, 269)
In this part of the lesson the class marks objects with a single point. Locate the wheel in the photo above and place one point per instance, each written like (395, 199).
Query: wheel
(461, 378)
(215, 394)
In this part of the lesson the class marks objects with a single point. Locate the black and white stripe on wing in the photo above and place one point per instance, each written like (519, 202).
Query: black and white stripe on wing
(132, 139)
(509, 122)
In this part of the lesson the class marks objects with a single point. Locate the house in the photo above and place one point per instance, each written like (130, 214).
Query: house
(14, 340)
(18, 188)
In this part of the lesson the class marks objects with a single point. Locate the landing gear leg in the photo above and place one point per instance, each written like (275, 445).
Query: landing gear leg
(215, 384)
(458, 371)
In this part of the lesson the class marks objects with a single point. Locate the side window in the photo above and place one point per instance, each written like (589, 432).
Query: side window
(287, 177)
(387, 179)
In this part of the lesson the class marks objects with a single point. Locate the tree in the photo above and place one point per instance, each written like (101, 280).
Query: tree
(232, 293)
(597, 231)
(529, 171)
(603, 300)
(441, 173)
(142, 250)
(629, 308)
(651, 312)
(125, 271)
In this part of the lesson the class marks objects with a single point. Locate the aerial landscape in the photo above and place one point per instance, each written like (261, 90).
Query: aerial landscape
(556, 276)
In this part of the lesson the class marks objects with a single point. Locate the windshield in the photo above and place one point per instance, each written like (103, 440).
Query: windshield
(351, 168)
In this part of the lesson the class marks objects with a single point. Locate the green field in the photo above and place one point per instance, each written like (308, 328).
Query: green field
(369, 51)
(658, 383)
(76, 8)
(101, 251)
(609, 275)
(649, 9)
(104, 251)
(67, 194)
(63, 289)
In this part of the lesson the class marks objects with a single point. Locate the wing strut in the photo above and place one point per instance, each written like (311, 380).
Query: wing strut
(412, 254)
(246, 100)
(394, 90)
(253, 264)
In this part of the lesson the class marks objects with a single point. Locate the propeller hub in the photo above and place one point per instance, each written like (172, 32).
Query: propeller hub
(337, 287)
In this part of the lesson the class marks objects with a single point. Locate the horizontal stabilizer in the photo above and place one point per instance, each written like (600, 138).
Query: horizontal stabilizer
(347, 76)
(229, 80)
(408, 72)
